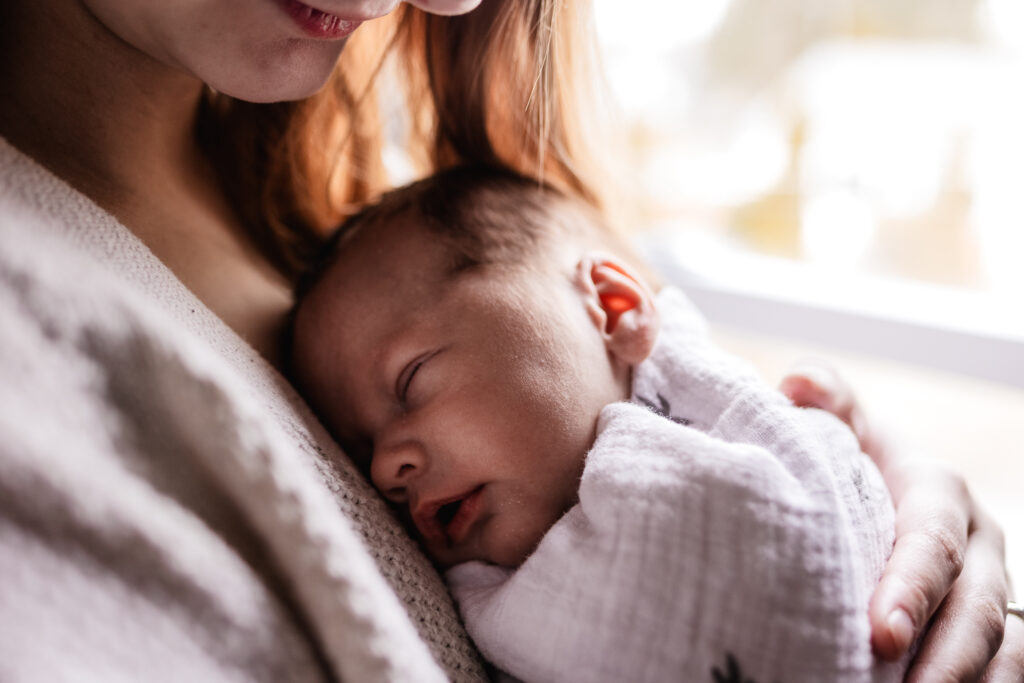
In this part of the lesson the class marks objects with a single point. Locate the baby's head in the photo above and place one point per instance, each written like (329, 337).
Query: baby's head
(460, 341)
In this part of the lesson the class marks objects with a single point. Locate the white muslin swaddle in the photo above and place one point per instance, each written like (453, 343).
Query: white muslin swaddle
(721, 534)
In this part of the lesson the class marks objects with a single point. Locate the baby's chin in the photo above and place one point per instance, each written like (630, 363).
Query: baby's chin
(512, 549)
(505, 551)
(507, 539)
(510, 557)
(513, 556)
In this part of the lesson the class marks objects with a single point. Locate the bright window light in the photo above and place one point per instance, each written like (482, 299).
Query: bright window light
(882, 138)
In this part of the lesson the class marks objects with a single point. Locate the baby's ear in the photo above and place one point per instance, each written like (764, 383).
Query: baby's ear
(620, 306)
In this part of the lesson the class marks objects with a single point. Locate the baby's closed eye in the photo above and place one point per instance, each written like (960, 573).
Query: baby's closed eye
(404, 383)
(405, 378)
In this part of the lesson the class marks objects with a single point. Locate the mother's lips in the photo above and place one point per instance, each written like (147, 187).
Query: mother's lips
(448, 520)
(318, 23)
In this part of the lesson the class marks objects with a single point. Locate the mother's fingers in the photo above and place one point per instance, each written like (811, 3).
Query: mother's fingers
(817, 385)
(1008, 664)
(968, 628)
(932, 520)
(938, 528)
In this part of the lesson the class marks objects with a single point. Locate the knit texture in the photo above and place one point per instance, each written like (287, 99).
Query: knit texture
(721, 534)
(170, 509)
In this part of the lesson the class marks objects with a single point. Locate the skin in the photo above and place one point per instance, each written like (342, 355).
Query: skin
(117, 119)
(114, 119)
(244, 48)
(491, 379)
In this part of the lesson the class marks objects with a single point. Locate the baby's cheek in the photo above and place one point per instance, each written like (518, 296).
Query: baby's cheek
(517, 532)
(514, 550)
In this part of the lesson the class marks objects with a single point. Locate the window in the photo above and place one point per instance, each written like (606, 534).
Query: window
(812, 164)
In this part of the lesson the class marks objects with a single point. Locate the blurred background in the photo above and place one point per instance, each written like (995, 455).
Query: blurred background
(874, 135)
(844, 179)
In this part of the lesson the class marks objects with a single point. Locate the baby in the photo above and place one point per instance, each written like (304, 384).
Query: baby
(614, 498)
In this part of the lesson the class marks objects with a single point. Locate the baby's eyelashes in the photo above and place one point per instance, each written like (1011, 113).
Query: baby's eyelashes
(406, 378)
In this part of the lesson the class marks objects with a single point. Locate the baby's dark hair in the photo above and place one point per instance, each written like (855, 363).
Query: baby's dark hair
(485, 214)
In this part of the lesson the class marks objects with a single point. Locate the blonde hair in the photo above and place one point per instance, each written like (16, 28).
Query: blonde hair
(510, 83)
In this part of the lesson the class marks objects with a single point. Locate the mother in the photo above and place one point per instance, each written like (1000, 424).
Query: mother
(169, 509)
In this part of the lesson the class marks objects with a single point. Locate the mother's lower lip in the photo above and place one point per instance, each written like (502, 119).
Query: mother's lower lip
(459, 527)
(317, 24)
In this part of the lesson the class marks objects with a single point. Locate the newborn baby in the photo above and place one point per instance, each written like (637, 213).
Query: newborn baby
(616, 499)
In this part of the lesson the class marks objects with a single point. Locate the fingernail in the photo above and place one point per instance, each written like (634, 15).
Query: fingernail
(901, 627)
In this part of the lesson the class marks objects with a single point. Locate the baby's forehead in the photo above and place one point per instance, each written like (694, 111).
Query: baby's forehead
(375, 284)
(386, 265)
(400, 251)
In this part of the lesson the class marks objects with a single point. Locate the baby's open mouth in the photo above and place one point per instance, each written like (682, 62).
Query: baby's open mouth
(448, 521)
(447, 512)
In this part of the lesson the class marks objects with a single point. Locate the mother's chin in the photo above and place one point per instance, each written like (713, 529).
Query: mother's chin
(291, 69)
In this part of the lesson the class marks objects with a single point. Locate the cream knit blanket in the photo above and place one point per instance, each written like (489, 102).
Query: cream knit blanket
(170, 510)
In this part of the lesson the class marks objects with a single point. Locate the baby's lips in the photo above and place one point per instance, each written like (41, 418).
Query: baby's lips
(424, 517)
(469, 511)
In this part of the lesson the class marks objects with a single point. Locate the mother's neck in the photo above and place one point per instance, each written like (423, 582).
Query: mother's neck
(99, 113)
(119, 126)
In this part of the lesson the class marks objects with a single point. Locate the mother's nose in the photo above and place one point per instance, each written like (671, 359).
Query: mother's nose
(393, 468)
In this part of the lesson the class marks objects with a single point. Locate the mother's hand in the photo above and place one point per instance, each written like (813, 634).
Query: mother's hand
(947, 565)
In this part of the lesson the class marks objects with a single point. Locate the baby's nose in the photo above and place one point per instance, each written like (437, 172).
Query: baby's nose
(394, 467)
